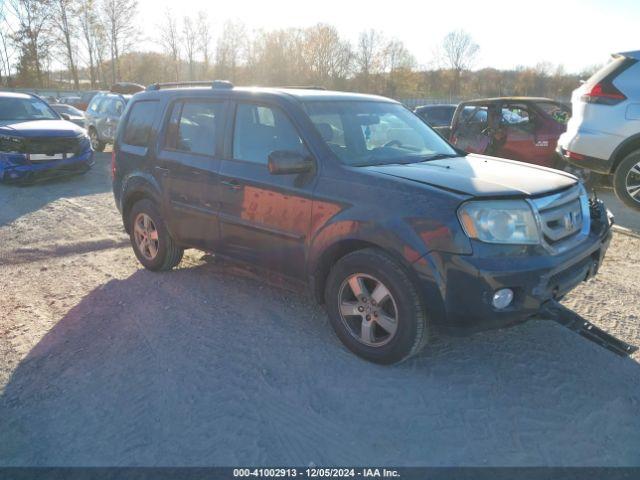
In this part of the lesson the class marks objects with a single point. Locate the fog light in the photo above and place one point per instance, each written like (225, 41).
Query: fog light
(502, 298)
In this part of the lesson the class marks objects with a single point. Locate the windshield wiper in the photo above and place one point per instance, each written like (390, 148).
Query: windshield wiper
(439, 156)
(427, 158)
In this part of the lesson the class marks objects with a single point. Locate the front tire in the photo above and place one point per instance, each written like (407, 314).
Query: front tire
(150, 239)
(375, 308)
(96, 144)
(626, 180)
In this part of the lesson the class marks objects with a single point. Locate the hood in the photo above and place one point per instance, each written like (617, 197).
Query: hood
(482, 176)
(40, 128)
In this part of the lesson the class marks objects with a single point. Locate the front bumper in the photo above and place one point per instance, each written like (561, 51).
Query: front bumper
(30, 172)
(466, 283)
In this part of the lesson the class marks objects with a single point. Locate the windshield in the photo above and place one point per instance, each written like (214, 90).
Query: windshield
(25, 109)
(375, 133)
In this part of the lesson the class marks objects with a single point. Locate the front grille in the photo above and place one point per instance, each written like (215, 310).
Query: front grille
(50, 146)
(563, 217)
(43, 145)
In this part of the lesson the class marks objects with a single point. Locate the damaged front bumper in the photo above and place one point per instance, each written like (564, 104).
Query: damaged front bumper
(467, 283)
(14, 168)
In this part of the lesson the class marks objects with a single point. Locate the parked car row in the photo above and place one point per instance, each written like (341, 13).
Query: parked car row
(600, 132)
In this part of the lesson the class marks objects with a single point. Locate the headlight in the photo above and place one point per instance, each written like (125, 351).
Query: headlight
(499, 221)
(9, 144)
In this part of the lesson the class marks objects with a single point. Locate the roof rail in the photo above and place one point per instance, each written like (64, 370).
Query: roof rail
(303, 87)
(218, 84)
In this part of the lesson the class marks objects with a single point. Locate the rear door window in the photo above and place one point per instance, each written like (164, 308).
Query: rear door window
(193, 126)
(117, 107)
(105, 106)
(438, 116)
(140, 123)
(559, 112)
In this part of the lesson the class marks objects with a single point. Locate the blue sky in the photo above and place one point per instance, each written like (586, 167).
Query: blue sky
(574, 33)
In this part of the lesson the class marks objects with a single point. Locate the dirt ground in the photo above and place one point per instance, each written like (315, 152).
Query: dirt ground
(104, 363)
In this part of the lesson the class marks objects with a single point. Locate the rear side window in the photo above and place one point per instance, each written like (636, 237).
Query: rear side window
(140, 123)
(192, 127)
(117, 107)
(438, 116)
(560, 113)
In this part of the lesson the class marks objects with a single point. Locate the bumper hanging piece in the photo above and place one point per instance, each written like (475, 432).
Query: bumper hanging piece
(553, 310)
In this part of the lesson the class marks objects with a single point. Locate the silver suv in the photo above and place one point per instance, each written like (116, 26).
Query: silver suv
(603, 134)
(102, 117)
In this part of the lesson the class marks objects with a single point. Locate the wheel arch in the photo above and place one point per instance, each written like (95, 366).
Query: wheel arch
(321, 266)
(629, 145)
(137, 188)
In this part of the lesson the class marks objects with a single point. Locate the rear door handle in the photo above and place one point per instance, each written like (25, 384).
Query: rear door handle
(232, 184)
(163, 171)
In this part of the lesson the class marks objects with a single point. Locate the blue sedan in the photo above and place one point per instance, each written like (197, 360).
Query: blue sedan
(36, 142)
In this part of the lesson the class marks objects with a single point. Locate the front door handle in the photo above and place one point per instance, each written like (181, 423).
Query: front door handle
(232, 184)
(162, 171)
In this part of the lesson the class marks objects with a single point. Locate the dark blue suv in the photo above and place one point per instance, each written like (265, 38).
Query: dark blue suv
(36, 142)
(392, 228)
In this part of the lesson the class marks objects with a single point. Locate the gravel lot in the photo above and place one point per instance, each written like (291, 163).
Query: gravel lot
(103, 363)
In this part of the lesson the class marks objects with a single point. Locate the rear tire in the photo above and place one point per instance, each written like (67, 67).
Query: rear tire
(388, 322)
(626, 180)
(150, 239)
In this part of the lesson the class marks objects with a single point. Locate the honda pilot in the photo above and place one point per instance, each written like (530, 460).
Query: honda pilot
(394, 230)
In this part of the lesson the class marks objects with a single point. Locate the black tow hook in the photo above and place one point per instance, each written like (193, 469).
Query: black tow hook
(553, 310)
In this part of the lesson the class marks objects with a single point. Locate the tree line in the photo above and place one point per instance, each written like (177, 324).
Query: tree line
(79, 44)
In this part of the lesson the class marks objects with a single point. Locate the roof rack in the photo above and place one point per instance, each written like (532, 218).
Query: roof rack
(216, 84)
(303, 87)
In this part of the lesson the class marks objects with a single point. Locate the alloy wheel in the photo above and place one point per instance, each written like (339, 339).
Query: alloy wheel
(632, 182)
(145, 234)
(368, 309)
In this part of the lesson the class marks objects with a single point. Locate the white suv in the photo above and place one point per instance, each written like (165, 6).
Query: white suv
(603, 134)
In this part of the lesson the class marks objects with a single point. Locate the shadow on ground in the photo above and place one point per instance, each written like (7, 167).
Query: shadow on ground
(164, 369)
(17, 200)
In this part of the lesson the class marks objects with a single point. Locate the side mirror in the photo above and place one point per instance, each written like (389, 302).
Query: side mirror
(284, 162)
(65, 116)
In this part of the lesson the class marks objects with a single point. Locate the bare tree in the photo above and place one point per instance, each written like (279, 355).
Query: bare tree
(459, 52)
(64, 14)
(118, 17)
(397, 62)
(276, 57)
(204, 40)
(327, 56)
(229, 49)
(369, 52)
(190, 36)
(5, 56)
(170, 41)
(31, 38)
(91, 30)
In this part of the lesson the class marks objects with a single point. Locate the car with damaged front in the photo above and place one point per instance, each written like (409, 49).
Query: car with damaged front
(394, 230)
(36, 142)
